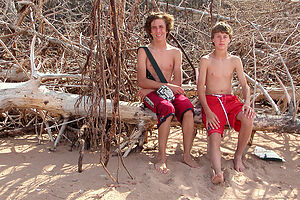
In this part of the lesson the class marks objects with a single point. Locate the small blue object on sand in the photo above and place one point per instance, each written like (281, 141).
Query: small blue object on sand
(267, 154)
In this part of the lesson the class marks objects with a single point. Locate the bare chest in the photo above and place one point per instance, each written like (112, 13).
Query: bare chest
(220, 70)
(164, 60)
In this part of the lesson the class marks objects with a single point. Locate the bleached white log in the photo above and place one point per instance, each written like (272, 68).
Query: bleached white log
(31, 94)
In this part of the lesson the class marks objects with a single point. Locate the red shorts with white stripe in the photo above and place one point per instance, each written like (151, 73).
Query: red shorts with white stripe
(232, 106)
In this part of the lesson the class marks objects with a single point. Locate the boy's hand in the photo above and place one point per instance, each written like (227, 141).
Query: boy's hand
(175, 88)
(212, 120)
(248, 111)
(144, 92)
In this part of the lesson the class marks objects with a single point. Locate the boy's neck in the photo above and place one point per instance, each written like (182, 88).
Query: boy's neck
(220, 54)
(158, 45)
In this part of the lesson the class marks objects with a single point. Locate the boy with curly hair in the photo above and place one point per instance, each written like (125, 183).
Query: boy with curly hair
(169, 59)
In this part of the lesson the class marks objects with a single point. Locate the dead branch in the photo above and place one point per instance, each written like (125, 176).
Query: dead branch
(265, 93)
(8, 51)
(282, 60)
(178, 8)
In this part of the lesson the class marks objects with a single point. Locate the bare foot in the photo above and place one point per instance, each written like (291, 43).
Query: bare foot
(238, 164)
(161, 167)
(218, 178)
(190, 162)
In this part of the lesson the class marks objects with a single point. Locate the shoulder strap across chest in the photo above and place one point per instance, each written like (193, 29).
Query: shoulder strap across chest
(155, 65)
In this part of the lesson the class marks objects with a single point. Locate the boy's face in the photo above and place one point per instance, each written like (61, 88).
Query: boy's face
(158, 29)
(221, 40)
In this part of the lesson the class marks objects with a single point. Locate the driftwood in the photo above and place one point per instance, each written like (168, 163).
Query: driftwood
(31, 94)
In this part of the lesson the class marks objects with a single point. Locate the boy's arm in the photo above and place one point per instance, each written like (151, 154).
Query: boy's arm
(146, 84)
(211, 118)
(201, 84)
(245, 88)
(177, 78)
(176, 83)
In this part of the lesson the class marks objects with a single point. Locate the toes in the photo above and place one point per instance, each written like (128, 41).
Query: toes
(218, 178)
(162, 169)
(165, 171)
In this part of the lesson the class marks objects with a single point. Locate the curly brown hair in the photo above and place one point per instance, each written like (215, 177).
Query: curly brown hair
(221, 27)
(168, 19)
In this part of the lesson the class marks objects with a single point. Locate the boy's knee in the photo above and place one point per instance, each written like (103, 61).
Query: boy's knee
(188, 114)
(247, 121)
(215, 138)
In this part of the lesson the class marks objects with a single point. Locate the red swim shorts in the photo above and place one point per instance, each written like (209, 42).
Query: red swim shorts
(164, 108)
(232, 106)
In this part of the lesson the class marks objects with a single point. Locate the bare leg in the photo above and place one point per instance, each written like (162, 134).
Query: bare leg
(244, 134)
(214, 142)
(163, 133)
(188, 137)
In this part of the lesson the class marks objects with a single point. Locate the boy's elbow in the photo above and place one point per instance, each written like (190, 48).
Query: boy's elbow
(140, 84)
(139, 81)
(247, 87)
(200, 87)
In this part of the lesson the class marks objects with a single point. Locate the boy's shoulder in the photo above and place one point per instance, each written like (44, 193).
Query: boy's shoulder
(206, 57)
(173, 51)
(235, 60)
(205, 61)
(172, 48)
(234, 57)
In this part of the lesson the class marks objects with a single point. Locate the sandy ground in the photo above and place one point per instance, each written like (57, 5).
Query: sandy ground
(31, 171)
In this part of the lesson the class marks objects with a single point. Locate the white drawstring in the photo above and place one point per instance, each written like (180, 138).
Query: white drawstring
(218, 96)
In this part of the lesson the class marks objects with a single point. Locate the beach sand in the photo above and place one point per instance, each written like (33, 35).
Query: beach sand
(28, 170)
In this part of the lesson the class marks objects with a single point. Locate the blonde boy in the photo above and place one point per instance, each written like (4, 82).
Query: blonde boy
(219, 106)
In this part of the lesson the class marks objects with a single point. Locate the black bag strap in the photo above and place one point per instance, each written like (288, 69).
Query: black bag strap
(155, 66)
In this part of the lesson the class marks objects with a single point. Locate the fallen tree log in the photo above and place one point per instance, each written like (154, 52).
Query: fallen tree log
(31, 94)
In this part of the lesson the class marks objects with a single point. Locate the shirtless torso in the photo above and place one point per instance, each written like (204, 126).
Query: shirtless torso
(169, 60)
(219, 73)
(165, 59)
